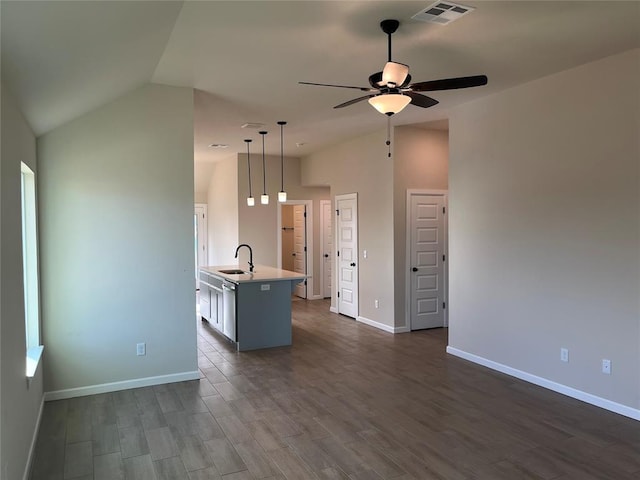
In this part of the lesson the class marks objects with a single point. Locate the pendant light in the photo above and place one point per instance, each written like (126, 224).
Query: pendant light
(250, 200)
(282, 195)
(264, 198)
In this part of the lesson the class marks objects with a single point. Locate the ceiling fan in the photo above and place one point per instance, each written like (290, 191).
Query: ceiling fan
(391, 89)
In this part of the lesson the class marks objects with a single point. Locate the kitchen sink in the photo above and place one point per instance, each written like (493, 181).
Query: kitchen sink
(233, 272)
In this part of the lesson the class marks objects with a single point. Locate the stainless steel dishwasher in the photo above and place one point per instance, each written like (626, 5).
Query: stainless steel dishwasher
(229, 310)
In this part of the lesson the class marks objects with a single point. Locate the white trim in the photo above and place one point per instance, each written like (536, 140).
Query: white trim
(543, 382)
(378, 325)
(333, 309)
(316, 297)
(309, 238)
(322, 252)
(407, 286)
(124, 385)
(34, 439)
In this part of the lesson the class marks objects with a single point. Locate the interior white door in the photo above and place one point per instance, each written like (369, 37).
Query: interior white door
(347, 252)
(427, 257)
(300, 247)
(327, 247)
(200, 238)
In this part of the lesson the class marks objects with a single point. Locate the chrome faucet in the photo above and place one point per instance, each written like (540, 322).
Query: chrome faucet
(250, 255)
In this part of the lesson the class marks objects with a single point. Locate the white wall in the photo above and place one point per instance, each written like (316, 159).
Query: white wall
(420, 161)
(116, 229)
(544, 228)
(222, 200)
(361, 166)
(259, 224)
(19, 401)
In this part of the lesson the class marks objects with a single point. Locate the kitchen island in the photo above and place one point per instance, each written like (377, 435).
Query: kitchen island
(252, 309)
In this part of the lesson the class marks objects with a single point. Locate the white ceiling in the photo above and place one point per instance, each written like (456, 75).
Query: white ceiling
(244, 58)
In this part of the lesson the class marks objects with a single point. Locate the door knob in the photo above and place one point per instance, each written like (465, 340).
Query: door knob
(326, 255)
(353, 264)
(294, 254)
(414, 269)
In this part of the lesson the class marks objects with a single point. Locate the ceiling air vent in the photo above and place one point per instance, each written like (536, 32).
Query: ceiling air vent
(442, 13)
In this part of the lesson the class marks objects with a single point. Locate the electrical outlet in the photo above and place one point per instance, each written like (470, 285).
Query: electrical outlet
(376, 303)
(141, 349)
(564, 354)
(606, 366)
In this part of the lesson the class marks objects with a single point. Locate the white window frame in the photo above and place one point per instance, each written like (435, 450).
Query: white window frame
(30, 269)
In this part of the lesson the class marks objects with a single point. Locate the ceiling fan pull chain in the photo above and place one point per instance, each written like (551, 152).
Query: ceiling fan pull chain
(389, 135)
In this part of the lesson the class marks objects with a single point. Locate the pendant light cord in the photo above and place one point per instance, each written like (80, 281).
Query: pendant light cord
(264, 169)
(249, 165)
(282, 124)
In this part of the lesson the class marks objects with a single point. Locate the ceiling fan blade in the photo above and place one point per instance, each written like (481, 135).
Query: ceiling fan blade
(363, 89)
(355, 100)
(421, 100)
(449, 83)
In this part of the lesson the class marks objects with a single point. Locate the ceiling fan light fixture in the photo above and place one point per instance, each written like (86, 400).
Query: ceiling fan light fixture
(394, 73)
(390, 103)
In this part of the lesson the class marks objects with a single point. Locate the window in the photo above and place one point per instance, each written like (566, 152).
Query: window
(30, 269)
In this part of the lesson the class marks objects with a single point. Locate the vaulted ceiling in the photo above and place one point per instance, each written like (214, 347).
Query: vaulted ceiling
(61, 59)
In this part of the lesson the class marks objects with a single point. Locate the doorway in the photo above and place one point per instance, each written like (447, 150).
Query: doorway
(200, 238)
(427, 258)
(347, 253)
(295, 247)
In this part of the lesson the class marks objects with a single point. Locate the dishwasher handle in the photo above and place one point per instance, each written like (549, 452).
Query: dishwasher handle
(229, 287)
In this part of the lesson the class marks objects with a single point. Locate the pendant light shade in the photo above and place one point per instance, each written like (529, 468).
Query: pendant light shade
(250, 200)
(390, 103)
(264, 198)
(282, 195)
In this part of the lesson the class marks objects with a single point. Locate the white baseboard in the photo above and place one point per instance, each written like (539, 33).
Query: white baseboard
(32, 447)
(543, 382)
(124, 385)
(402, 329)
(333, 310)
(373, 323)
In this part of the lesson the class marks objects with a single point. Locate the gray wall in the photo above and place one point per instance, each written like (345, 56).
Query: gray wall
(420, 161)
(222, 211)
(116, 229)
(544, 228)
(19, 401)
(361, 166)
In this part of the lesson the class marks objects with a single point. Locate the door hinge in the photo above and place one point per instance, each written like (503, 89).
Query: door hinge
(305, 249)
(305, 282)
(337, 212)
(305, 215)
(338, 294)
(338, 252)
(444, 210)
(444, 305)
(444, 258)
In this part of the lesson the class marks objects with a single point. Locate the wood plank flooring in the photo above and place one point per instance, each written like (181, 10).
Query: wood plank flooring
(346, 401)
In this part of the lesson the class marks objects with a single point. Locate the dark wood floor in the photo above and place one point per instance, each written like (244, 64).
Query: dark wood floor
(346, 401)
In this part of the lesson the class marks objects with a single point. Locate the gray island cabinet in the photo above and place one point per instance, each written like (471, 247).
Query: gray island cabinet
(252, 309)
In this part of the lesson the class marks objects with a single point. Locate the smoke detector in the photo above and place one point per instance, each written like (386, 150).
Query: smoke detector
(442, 13)
(218, 145)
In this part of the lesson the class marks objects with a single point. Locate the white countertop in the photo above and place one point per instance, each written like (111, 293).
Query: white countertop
(261, 273)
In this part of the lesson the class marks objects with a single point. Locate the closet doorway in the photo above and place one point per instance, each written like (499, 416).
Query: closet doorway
(294, 246)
